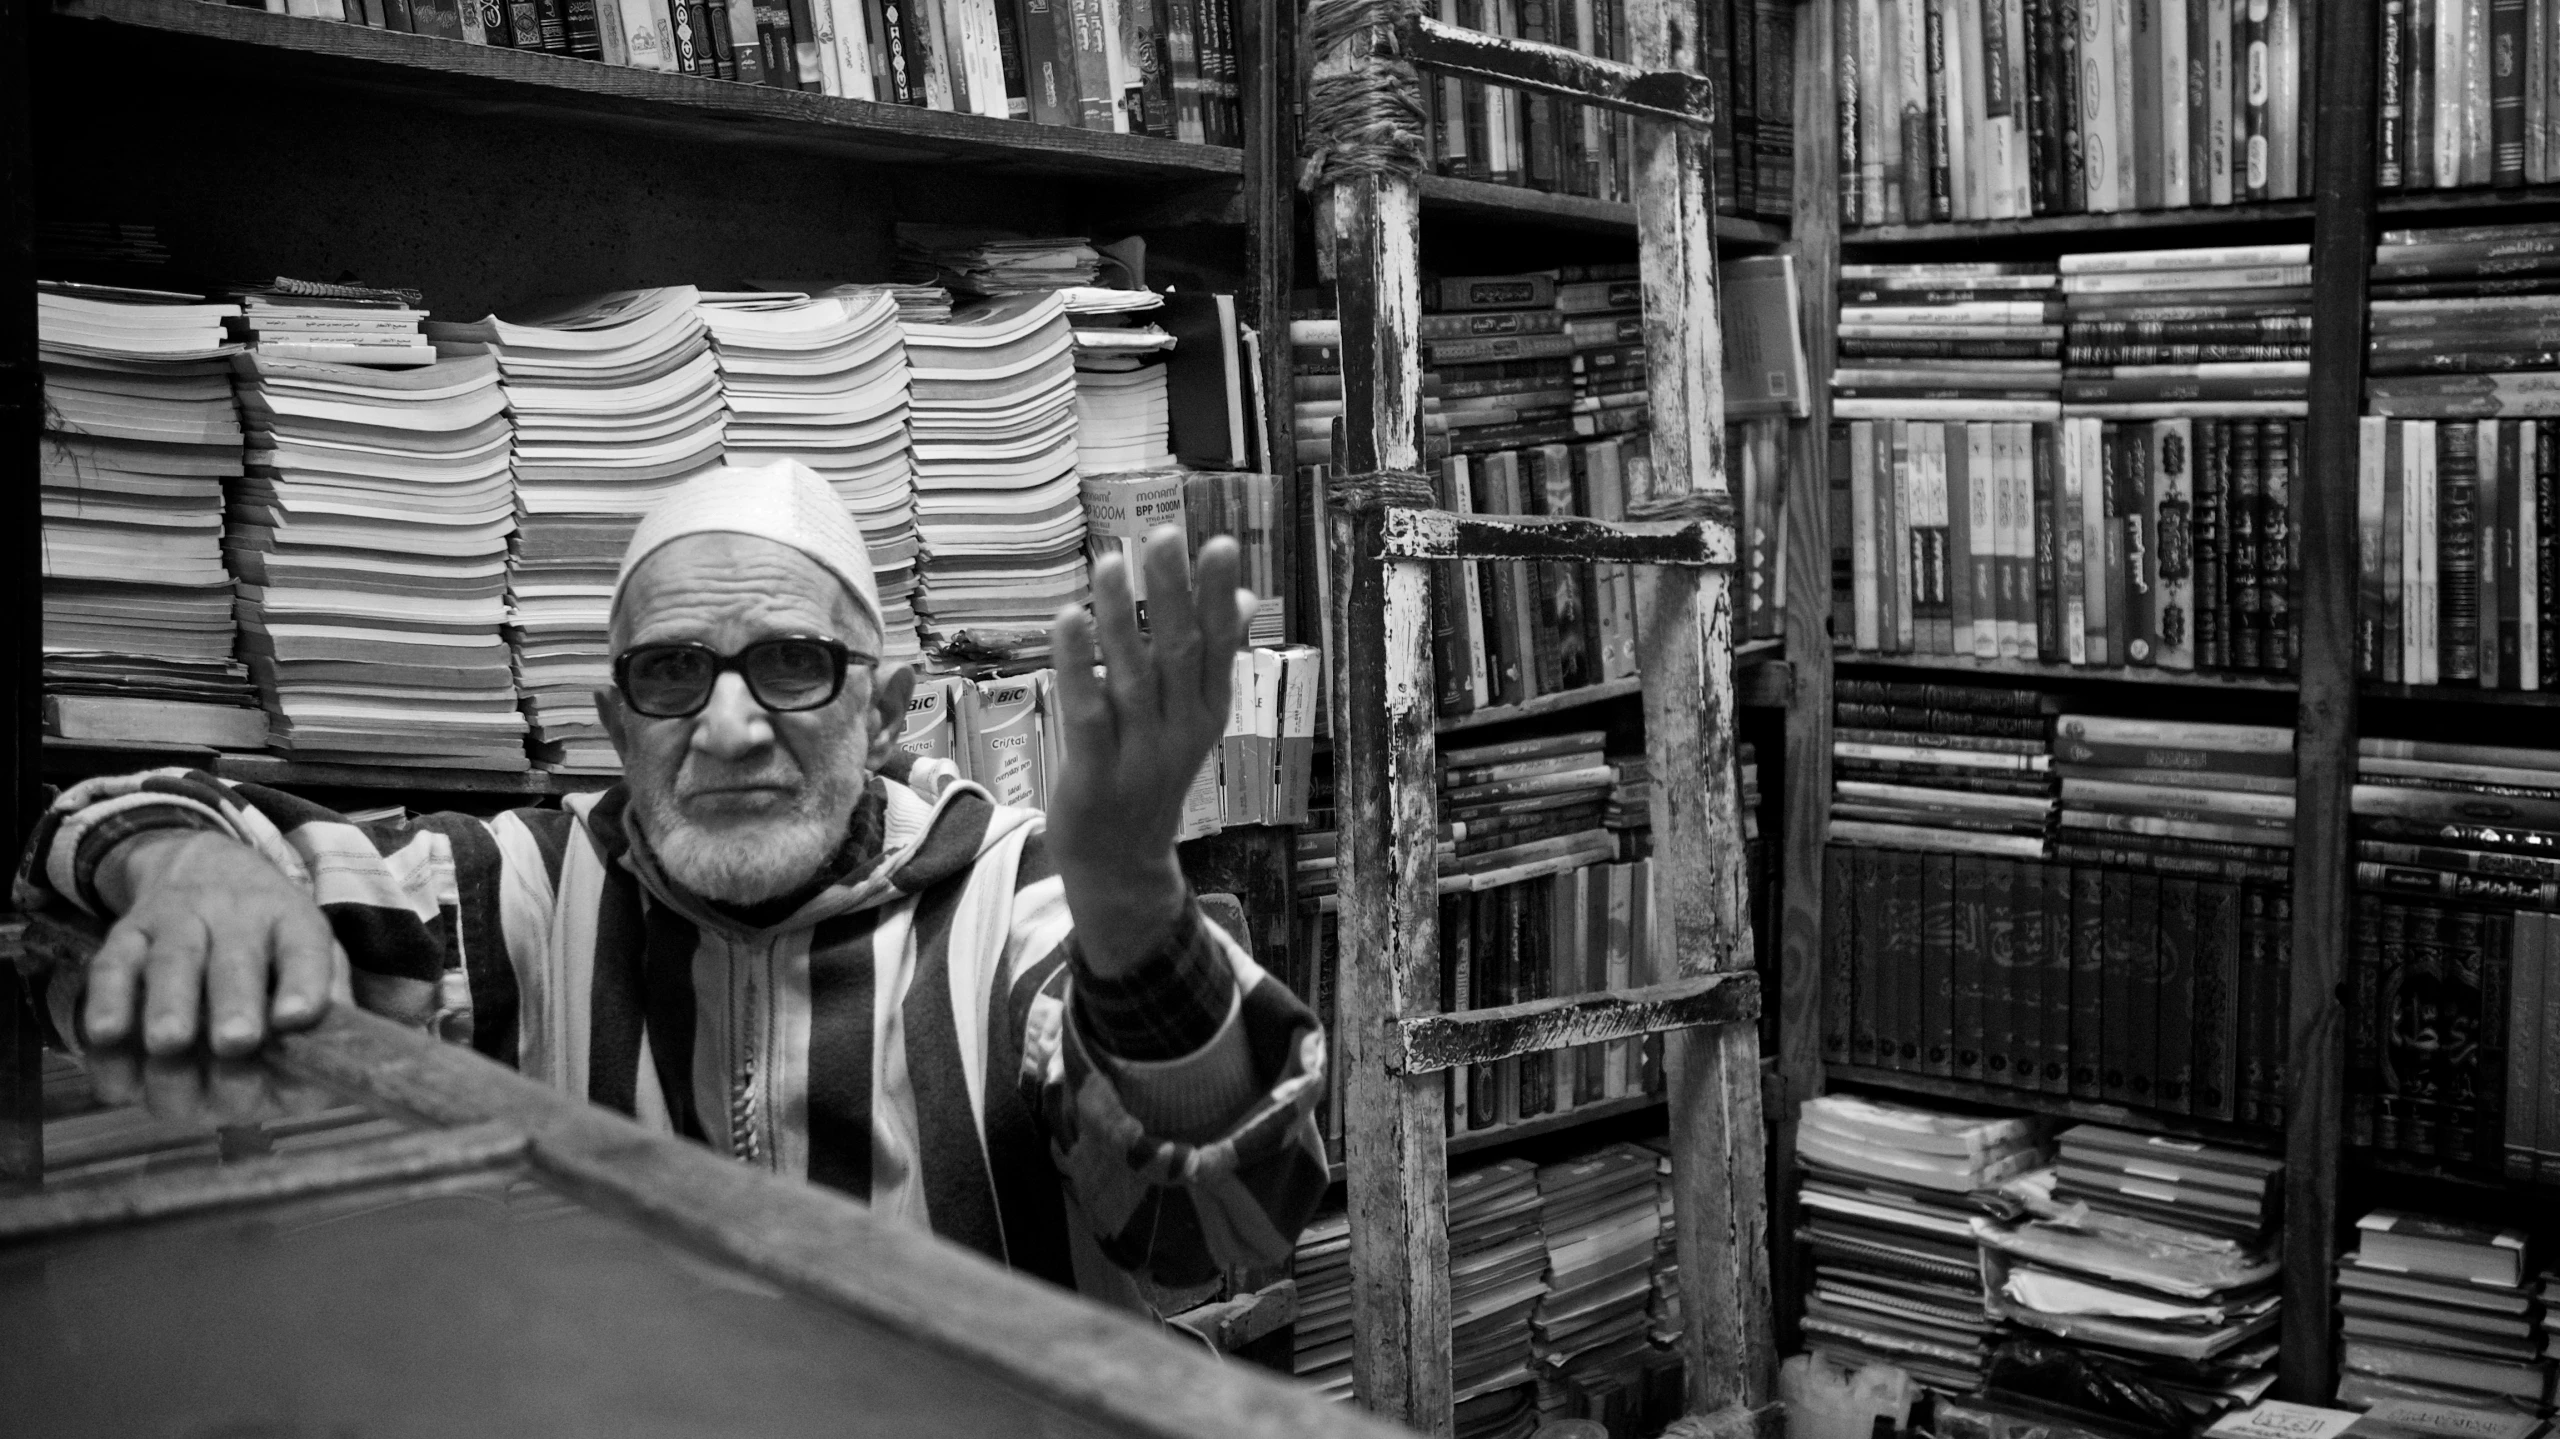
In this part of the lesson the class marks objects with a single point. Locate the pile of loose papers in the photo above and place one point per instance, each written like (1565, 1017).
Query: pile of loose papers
(1896, 1269)
(987, 262)
(370, 539)
(2155, 1253)
(616, 400)
(823, 381)
(140, 434)
(993, 423)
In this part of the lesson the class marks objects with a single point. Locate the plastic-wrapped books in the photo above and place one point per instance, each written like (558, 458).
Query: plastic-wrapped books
(140, 436)
(993, 423)
(823, 380)
(989, 262)
(370, 539)
(344, 324)
(616, 399)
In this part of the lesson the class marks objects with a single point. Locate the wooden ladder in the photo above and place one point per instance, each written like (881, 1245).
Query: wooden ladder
(1383, 535)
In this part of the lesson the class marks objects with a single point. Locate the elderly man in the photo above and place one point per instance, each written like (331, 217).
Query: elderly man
(780, 934)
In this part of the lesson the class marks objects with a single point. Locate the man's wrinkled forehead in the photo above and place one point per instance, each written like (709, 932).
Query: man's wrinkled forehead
(731, 589)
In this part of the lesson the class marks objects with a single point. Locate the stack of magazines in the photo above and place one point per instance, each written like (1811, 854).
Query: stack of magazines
(997, 503)
(823, 380)
(139, 436)
(616, 399)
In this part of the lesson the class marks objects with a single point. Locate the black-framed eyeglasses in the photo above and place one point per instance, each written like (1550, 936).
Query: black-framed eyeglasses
(785, 673)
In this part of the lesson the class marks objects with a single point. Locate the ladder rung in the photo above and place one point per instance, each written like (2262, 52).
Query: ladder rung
(1433, 1042)
(1443, 535)
(1670, 95)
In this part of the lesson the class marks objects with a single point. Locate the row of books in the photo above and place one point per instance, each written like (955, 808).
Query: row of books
(1994, 109)
(1492, 133)
(2454, 583)
(1166, 69)
(2463, 323)
(2458, 878)
(1562, 1295)
(2463, 92)
(2443, 1311)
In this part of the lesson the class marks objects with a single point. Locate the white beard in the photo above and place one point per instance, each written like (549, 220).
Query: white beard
(752, 861)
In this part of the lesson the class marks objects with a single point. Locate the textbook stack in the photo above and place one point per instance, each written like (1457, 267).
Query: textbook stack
(1490, 133)
(2458, 878)
(1497, 1275)
(1896, 1270)
(823, 380)
(2441, 1310)
(2150, 1254)
(370, 540)
(1999, 109)
(140, 435)
(1950, 769)
(1603, 1221)
(341, 324)
(2464, 95)
(2133, 315)
(1320, 1352)
(1170, 72)
(616, 400)
(993, 423)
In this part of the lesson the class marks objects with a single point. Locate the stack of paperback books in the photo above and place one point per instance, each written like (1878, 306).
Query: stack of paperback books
(1497, 1275)
(1945, 768)
(2149, 1254)
(2461, 96)
(616, 399)
(1938, 340)
(370, 539)
(2135, 792)
(1896, 1275)
(2122, 367)
(1598, 1217)
(140, 434)
(338, 323)
(997, 503)
(2432, 1307)
(2463, 323)
(1994, 109)
(823, 380)
(1320, 1346)
(2458, 875)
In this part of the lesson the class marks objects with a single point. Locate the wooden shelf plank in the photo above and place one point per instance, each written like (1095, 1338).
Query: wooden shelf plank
(2461, 695)
(2087, 232)
(1447, 195)
(2018, 669)
(1965, 1091)
(253, 46)
(1476, 1141)
(1562, 701)
(2428, 206)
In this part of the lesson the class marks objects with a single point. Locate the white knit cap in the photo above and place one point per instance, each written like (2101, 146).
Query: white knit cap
(785, 502)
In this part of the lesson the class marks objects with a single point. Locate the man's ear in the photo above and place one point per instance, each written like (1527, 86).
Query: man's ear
(609, 710)
(890, 691)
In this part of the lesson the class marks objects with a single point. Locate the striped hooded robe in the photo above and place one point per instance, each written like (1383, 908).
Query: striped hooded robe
(916, 1030)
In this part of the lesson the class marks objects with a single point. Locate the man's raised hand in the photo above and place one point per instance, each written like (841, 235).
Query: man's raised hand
(1137, 734)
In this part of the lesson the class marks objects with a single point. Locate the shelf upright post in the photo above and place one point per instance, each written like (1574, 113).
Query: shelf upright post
(21, 428)
(1814, 239)
(2325, 722)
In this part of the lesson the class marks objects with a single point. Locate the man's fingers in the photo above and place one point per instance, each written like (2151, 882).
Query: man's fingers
(173, 984)
(1082, 704)
(1115, 622)
(173, 1087)
(304, 950)
(237, 966)
(236, 1091)
(107, 1014)
(115, 1076)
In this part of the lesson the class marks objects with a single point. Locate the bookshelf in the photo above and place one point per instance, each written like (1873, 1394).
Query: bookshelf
(1450, 197)
(2330, 707)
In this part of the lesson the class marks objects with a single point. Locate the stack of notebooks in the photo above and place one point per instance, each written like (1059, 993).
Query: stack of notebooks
(2441, 1310)
(370, 539)
(1599, 1218)
(1320, 1352)
(1971, 340)
(2457, 878)
(993, 423)
(2153, 1254)
(1895, 1276)
(140, 434)
(2133, 314)
(289, 319)
(1631, 1385)
(823, 380)
(990, 262)
(1497, 1275)
(1124, 416)
(616, 399)
(1944, 768)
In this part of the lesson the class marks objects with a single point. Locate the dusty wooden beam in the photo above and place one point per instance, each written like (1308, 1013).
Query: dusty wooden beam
(1442, 535)
(1433, 1042)
(397, 1157)
(1672, 96)
(1230, 1324)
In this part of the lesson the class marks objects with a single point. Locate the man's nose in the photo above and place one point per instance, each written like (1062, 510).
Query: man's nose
(732, 725)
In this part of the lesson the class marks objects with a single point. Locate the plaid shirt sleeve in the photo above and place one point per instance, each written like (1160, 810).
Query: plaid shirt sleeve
(1170, 1004)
